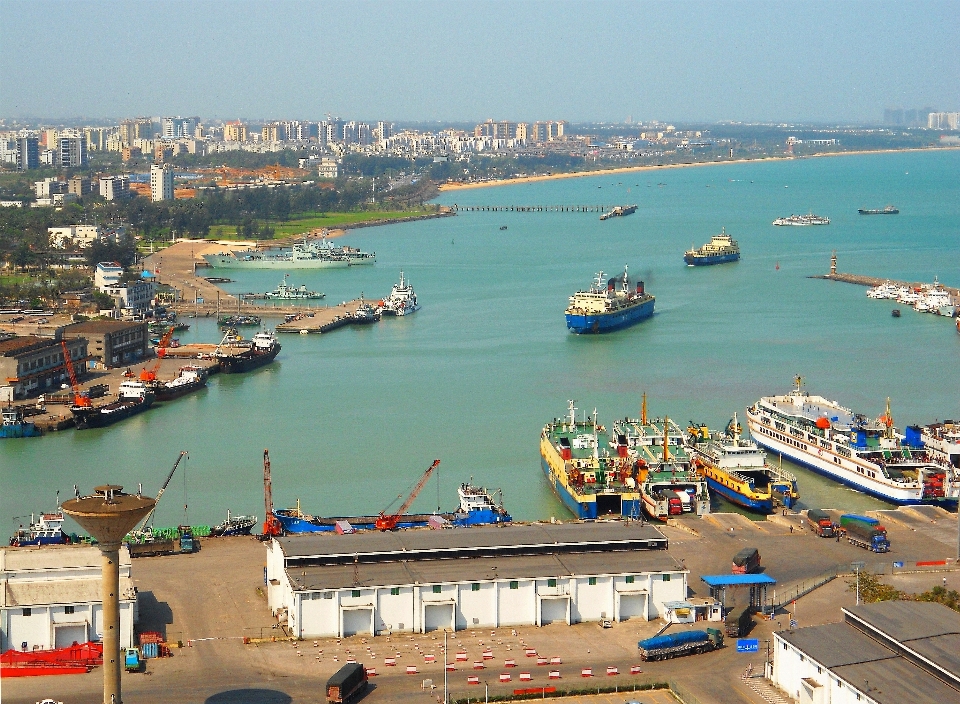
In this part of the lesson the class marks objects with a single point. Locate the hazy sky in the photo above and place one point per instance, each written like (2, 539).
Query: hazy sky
(470, 60)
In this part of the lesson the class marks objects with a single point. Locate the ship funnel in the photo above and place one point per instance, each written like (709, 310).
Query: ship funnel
(640, 287)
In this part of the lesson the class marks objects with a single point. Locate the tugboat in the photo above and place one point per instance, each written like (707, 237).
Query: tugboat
(15, 426)
(133, 397)
(401, 301)
(289, 293)
(189, 378)
(365, 314)
(719, 250)
(605, 309)
(47, 531)
(234, 525)
(245, 355)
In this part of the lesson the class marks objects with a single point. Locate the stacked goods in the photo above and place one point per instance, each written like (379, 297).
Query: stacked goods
(821, 523)
(746, 561)
(676, 644)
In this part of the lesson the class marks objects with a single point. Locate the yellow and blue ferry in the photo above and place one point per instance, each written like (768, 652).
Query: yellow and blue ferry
(737, 470)
(719, 250)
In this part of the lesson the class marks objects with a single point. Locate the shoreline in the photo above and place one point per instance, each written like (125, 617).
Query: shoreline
(449, 187)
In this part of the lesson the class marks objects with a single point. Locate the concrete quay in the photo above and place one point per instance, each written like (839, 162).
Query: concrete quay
(211, 600)
(321, 320)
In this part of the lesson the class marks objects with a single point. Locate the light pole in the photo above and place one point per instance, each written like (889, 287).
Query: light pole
(444, 666)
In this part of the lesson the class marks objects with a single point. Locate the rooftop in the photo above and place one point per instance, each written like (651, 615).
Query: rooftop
(734, 580)
(21, 345)
(100, 326)
(53, 557)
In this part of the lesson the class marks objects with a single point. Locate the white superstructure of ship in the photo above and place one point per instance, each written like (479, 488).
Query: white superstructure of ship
(402, 299)
(926, 298)
(802, 220)
(868, 455)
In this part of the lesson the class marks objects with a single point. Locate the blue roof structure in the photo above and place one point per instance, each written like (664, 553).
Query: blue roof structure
(736, 580)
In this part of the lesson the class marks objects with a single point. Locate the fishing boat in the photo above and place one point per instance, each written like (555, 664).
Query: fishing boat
(48, 530)
(619, 211)
(608, 306)
(737, 470)
(887, 210)
(402, 299)
(641, 468)
(189, 378)
(867, 455)
(234, 525)
(283, 292)
(15, 425)
(719, 250)
(477, 507)
(133, 397)
(802, 220)
(236, 355)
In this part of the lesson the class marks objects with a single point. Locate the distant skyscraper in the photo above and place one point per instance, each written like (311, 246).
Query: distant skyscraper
(176, 127)
(235, 131)
(28, 153)
(72, 151)
(161, 182)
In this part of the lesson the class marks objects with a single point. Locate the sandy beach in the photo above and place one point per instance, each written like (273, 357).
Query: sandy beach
(652, 167)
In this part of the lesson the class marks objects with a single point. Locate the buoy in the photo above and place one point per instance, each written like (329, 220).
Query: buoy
(778, 266)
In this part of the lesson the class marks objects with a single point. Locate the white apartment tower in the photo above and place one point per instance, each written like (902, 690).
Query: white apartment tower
(161, 182)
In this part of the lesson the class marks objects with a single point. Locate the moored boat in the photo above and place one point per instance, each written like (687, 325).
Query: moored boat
(943, 442)
(15, 425)
(365, 313)
(239, 321)
(401, 301)
(887, 210)
(719, 250)
(283, 292)
(737, 470)
(189, 378)
(133, 397)
(609, 306)
(235, 355)
(234, 525)
(867, 455)
(48, 530)
(619, 211)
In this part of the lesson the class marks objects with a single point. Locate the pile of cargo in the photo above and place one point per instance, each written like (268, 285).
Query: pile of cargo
(76, 659)
(153, 646)
(677, 644)
(865, 532)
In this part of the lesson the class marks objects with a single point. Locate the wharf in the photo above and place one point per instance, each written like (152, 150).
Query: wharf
(533, 208)
(872, 281)
(320, 320)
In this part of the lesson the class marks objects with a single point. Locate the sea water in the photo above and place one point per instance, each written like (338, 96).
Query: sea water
(353, 418)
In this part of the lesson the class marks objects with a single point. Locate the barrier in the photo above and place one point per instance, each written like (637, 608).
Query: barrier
(473, 679)
(451, 667)
(554, 674)
(556, 661)
(478, 665)
(635, 670)
(534, 690)
(390, 662)
(525, 677)
(613, 671)
(411, 669)
(541, 661)
(429, 658)
(505, 677)
(461, 657)
(371, 671)
(531, 653)
(509, 663)
(488, 655)
(586, 672)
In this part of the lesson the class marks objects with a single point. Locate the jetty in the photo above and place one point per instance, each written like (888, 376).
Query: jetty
(533, 208)
(861, 280)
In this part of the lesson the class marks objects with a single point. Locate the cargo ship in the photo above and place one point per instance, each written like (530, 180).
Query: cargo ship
(942, 440)
(14, 424)
(640, 469)
(867, 455)
(719, 250)
(619, 211)
(608, 307)
(736, 469)
(888, 210)
(401, 301)
(477, 507)
(802, 220)
(189, 378)
(302, 255)
(48, 530)
(133, 397)
(234, 525)
(243, 355)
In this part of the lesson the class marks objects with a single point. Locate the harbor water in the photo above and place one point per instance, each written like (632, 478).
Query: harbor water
(354, 417)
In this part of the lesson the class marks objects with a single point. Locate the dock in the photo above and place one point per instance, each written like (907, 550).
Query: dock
(533, 208)
(321, 320)
(872, 281)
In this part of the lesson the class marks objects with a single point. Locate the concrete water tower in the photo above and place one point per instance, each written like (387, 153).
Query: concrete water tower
(108, 516)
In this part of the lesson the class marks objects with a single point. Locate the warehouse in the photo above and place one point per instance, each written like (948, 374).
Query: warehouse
(885, 653)
(50, 597)
(423, 580)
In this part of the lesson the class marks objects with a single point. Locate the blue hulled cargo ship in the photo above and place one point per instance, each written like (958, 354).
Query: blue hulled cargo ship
(719, 250)
(609, 306)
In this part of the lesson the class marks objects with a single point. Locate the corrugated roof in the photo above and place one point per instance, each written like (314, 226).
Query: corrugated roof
(897, 681)
(18, 345)
(101, 326)
(907, 620)
(49, 557)
(730, 580)
(60, 591)
(836, 644)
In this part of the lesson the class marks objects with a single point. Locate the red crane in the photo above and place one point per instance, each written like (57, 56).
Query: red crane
(79, 399)
(151, 373)
(271, 526)
(385, 522)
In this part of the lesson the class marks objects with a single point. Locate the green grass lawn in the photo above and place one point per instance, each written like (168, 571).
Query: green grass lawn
(309, 221)
(12, 279)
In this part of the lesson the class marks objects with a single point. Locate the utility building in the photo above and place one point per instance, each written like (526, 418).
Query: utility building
(325, 585)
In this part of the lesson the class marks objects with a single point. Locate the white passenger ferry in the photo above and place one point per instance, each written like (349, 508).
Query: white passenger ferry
(867, 455)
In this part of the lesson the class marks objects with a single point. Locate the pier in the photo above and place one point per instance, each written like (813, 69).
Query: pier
(872, 281)
(533, 208)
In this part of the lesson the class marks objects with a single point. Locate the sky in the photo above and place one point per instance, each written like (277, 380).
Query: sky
(460, 60)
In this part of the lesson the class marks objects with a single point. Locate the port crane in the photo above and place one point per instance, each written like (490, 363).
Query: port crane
(389, 522)
(147, 519)
(151, 373)
(79, 400)
(271, 526)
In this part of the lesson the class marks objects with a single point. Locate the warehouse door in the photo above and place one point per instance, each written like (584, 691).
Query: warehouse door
(65, 635)
(357, 621)
(633, 606)
(553, 610)
(437, 617)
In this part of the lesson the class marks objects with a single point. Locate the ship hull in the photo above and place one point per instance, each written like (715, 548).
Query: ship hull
(825, 466)
(237, 364)
(742, 500)
(295, 525)
(709, 260)
(220, 262)
(609, 322)
(19, 430)
(86, 418)
(162, 392)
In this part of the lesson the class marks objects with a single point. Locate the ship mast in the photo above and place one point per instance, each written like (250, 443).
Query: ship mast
(666, 438)
(643, 409)
(571, 405)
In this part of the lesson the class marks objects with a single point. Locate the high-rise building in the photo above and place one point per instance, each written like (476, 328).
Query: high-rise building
(28, 153)
(79, 186)
(273, 132)
(176, 127)
(161, 182)
(537, 132)
(235, 131)
(96, 138)
(385, 130)
(114, 187)
(72, 150)
(522, 131)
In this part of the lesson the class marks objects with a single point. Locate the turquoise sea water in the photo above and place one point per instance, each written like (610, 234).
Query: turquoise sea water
(354, 417)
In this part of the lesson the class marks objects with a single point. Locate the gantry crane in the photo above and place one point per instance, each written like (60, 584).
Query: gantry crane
(385, 522)
(79, 400)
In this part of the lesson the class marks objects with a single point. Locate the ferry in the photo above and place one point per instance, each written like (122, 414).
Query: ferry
(942, 440)
(639, 469)
(719, 250)
(245, 355)
(619, 211)
(605, 308)
(736, 469)
(401, 301)
(46, 531)
(888, 210)
(802, 220)
(283, 292)
(14, 424)
(867, 455)
(477, 507)
(133, 397)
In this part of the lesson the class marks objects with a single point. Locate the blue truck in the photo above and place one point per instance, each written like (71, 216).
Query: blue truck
(865, 532)
(676, 644)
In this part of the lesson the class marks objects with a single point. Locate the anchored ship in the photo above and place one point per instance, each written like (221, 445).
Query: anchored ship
(802, 220)
(401, 301)
(619, 211)
(133, 397)
(189, 378)
(849, 448)
(234, 525)
(719, 250)
(245, 355)
(302, 255)
(48, 530)
(283, 292)
(14, 424)
(605, 308)
(888, 210)
(737, 470)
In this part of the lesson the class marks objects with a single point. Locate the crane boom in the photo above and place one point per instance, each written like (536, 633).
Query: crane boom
(385, 522)
(151, 373)
(183, 453)
(78, 398)
(271, 526)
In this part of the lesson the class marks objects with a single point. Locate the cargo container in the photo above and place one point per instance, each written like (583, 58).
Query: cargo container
(848, 518)
(821, 523)
(867, 537)
(677, 644)
(346, 683)
(746, 561)
(151, 549)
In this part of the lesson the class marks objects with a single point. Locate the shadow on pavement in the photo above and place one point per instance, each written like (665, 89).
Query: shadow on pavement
(250, 696)
(154, 615)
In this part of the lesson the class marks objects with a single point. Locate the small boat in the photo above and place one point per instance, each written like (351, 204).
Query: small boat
(895, 312)
(402, 299)
(234, 525)
(235, 321)
(46, 531)
(283, 292)
(503, 227)
(15, 425)
(365, 314)
(802, 220)
(237, 355)
(888, 210)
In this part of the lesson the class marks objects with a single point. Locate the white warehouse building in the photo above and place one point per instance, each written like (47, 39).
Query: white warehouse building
(326, 585)
(50, 597)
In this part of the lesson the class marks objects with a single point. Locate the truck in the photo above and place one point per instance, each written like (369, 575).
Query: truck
(738, 621)
(821, 523)
(851, 518)
(866, 536)
(151, 548)
(346, 683)
(746, 561)
(188, 543)
(131, 660)
(677, 644)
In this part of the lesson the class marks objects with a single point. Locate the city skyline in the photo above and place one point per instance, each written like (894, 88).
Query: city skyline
(603, 61)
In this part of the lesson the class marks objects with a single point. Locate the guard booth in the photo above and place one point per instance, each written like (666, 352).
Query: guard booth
(749, 589)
